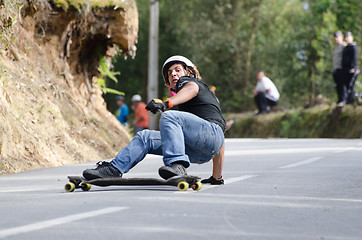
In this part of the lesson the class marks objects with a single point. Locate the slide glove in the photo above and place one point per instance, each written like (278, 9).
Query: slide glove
(211, 180)
(156, 105)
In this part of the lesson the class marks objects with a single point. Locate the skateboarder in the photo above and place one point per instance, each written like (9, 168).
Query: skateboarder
(192, 134)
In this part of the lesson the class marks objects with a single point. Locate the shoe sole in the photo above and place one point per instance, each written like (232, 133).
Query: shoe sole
(167, 172)
(90, 176)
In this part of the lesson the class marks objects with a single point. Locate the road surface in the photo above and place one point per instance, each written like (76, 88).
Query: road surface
(275, 189)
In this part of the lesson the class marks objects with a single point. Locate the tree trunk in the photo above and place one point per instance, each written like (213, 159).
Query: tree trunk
(251, 42)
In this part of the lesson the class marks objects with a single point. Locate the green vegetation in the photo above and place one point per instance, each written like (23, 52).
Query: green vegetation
(9, 16)
(229, 40)
(105, 72)
(320, 121)
(77, 4)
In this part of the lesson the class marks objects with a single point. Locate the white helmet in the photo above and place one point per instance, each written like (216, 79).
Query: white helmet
(136, 98)
(172, 60)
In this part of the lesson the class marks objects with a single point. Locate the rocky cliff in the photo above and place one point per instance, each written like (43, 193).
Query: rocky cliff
(51, 109)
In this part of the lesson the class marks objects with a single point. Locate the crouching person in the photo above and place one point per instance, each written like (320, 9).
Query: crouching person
(266, 94)
(194, 133)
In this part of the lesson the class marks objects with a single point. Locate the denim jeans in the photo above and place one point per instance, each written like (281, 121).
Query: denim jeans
(263, 102)
(182, 137)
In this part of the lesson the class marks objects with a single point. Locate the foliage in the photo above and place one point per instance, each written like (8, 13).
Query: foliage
(77, 4)
(134, 71)
(230, 40)
(105, 72)
(321, 121)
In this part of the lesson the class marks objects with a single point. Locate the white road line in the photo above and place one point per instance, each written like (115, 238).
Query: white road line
(237, 179)
(15, 190)
(227, 181)
(346, 149)
(301, 163)
(231, 153)
(57, 221)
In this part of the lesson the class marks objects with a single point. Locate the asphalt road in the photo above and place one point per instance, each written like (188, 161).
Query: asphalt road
(275, 189)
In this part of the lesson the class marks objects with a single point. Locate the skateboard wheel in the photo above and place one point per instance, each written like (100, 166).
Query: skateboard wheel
(69, 187)
(183, 186)
(85, 186)
(197, 186)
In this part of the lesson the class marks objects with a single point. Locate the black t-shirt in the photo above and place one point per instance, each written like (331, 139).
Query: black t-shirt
(204, 105)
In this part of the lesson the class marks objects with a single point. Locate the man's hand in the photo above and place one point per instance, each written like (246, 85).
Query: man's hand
(155, 105)
(211, 180)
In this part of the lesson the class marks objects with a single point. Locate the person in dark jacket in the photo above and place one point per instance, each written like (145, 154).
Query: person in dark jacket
(349, 68)
(337, 65)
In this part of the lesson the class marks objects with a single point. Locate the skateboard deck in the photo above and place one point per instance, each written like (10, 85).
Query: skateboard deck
(181, 182)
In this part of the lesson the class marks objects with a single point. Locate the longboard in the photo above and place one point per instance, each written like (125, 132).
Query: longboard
(181, 182)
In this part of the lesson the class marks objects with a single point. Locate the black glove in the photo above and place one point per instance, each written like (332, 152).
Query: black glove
(211, 180)
(155, 105)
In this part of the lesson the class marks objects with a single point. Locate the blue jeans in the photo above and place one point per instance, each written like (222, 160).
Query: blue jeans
(183, 137)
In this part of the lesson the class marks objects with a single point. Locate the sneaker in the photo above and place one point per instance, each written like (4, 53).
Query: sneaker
(174, 169)
(340, 104)
(261, 112)
(229, 124)
(103, 170)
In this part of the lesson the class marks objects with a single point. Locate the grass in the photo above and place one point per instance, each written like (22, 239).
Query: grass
(77, 4)
(322, 121)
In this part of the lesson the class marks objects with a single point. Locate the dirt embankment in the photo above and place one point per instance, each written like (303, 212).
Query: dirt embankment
(321, 121)
(51, 110)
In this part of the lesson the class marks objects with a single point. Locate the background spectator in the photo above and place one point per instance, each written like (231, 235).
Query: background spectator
(141, 115)
(123, 110)
(266, 93)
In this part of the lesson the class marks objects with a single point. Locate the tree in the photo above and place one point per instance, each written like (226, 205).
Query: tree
(230, 40)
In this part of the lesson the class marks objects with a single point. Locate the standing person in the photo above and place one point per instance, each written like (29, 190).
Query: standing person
(349, 67)
(192, 134)
(123, 110)
(265, 93)
(141, 115)
(337, 65)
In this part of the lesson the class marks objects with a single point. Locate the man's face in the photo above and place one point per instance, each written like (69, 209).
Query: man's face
(349, 39)
(260, 75)
(174, 73)
(119, 102)
(338, 39)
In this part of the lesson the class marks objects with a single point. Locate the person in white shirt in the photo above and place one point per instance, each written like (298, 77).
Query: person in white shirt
(266, 94)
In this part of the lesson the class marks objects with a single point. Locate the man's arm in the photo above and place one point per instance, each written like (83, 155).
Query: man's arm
(217, 163)
(188, 92)
(354, 59)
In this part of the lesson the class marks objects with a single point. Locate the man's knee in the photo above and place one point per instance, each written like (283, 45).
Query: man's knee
(260, 94)
(168, 116)
(146, 134)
